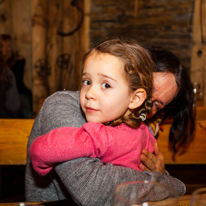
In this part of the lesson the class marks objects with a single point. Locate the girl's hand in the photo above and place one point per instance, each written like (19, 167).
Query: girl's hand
(152, 162)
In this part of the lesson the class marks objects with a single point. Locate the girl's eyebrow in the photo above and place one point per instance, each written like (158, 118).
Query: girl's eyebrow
(84, 74)
(106, 76)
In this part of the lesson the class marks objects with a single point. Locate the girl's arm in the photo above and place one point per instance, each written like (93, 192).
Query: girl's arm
(67, 143)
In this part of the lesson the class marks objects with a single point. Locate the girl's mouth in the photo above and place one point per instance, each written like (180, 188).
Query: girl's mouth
(90, 109)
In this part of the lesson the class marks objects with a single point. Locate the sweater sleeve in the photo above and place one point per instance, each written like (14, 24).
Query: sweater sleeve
(67, 143)
(150, 140)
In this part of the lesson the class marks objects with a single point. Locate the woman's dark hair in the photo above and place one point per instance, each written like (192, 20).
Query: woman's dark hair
(181, 108)
(4, 71)
(138, 68)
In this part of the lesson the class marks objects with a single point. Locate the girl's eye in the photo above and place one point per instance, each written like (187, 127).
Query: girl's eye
(86, 82)
(106, 86)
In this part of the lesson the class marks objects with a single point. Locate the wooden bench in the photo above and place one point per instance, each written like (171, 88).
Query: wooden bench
(188, 165)
(194, 153)
(14, 134)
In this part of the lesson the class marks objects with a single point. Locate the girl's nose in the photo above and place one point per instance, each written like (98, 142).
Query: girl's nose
(90, 94)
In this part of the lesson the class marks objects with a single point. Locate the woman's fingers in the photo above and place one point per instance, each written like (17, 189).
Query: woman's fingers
(160, 158)
(152, 162)
(148, 159)
(157, 152)
(143, 168)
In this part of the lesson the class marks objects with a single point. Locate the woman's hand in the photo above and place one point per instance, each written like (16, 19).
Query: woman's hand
(152, 162)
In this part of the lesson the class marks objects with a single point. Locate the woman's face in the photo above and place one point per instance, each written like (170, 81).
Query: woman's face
(164, 91)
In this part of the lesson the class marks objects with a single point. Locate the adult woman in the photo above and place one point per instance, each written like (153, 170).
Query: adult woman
(9, 97)
(88, 181)
(179, 108)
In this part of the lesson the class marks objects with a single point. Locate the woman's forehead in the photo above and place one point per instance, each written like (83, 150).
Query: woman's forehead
(165, 87)
(163, 79)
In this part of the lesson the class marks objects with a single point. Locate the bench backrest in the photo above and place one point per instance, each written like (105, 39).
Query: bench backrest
(195, 153)
(14, 134)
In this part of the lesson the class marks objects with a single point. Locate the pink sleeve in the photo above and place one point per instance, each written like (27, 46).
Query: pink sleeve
(150, 142)
(66, 143)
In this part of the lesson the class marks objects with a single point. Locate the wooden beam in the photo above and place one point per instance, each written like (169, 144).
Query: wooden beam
(198, 56)
(39, 34)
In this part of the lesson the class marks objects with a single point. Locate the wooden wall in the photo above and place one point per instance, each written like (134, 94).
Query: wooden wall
(178, 25)
(34, 25)
(15, 20)
(159, 22)
(53, 58)
(198, 55)
(57, 50)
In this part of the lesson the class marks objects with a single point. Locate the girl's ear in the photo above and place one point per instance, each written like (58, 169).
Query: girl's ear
(137, 98)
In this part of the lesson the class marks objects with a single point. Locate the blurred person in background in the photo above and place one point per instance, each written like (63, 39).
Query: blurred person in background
(9, 97)
(17, 63)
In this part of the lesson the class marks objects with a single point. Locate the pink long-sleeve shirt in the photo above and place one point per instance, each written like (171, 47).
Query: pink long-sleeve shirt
(120, 145)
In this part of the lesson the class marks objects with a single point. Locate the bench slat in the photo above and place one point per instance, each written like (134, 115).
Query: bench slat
(195, 153)
(14, 134)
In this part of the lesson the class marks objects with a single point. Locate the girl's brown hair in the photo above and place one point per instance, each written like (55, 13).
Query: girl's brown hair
(138, 68)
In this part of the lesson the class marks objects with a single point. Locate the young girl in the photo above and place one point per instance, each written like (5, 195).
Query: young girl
(115, 98)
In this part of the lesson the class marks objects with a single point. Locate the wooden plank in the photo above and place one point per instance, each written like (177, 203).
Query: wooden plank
(6, 15)
(203, 12)
(14, 134)
(197, 37)
(53, 45)
(201, 113)
(21, 28)
(39, 39)
(198, 67)
(195, 153)
(84, 38)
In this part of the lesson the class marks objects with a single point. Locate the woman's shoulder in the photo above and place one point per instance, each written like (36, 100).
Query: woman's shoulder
(63, 96)
(62, 99)
(61, 109)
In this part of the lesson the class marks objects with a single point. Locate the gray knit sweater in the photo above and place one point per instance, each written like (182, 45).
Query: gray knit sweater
(87, 180)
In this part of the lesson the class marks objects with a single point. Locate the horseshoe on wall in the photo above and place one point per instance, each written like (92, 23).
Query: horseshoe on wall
(75, 4)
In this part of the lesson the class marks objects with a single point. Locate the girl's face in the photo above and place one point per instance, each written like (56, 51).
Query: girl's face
(164, 91)
(105, 94)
